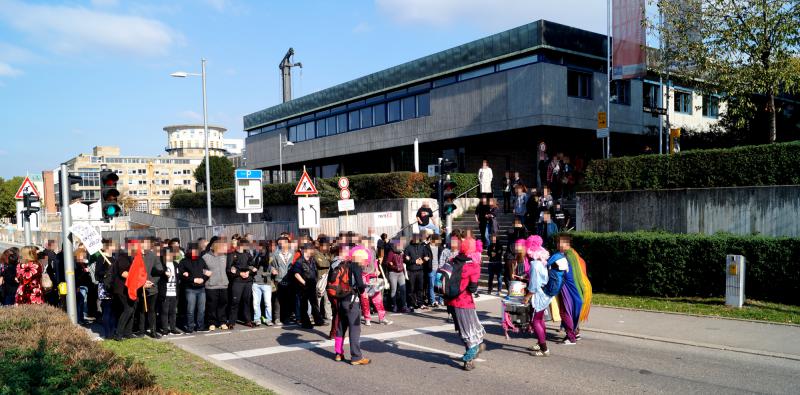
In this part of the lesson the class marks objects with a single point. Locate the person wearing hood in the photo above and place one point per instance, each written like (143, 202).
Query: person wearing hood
(460, 302)
(348, 306)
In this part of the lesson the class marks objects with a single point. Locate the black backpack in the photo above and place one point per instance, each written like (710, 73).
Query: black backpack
(451, 279)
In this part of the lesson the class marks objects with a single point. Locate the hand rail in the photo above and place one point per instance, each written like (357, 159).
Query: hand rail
(437, 209)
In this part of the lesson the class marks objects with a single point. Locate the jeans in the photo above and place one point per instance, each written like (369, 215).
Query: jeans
(432, 298)
(217, 306)
(83, 303)
(496, 270)
(262, 292)
(308, 301)
(397, 284)
(109, 318)
(241, 294)
(432, 226)
(195, 308)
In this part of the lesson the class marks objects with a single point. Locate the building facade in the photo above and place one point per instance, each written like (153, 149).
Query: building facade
(495, 98)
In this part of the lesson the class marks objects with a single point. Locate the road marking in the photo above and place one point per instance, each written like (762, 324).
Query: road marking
(217, 334)
(252, 329)
(434, 350)
(329, 343)
(181, 337)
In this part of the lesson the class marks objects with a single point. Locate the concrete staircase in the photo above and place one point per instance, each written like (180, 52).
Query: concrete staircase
(467, 221)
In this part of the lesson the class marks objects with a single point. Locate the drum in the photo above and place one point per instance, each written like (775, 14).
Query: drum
(516, 288)
(520, 314)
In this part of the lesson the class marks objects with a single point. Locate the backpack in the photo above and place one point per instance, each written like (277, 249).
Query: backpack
(448, 281)
(340, 281)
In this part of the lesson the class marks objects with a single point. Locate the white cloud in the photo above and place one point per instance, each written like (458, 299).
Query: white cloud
(70, 29)
(7, 71)
(105, 3)
(362, 27)
(493, 15)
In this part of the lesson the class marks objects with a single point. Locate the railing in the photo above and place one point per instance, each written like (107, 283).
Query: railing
(406, 227)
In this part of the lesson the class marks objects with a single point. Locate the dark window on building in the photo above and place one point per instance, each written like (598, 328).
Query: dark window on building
(579, 84)
(338, 109)
(301, 132)
(444, 81)
(366, 117)
(419, 87)
(355, 104)
(651, 95)
(293, 133)
(397, 93)
(331, 121)
(683, 102)
(424, 105)
(517, 62)
(321, 128)
(355, 122)
(710, 106)
(341, 123)
(379, 114)
(475, 73)
(409, 107)
(393, 111)
(621, 92)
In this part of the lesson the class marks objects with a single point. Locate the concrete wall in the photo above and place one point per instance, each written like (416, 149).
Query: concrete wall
(769, 210)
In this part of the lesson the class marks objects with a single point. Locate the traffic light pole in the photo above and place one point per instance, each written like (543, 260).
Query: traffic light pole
(69, 263)
(26, 222)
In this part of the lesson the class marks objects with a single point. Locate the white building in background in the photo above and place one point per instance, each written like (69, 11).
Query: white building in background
(189, 140)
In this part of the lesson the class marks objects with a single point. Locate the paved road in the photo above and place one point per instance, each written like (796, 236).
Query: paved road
(621, 352)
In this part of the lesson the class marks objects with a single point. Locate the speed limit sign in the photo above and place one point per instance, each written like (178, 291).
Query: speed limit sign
(344, 183)
(344, 194)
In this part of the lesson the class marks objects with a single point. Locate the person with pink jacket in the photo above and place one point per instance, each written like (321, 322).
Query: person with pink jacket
(371, 274)
(461, 304)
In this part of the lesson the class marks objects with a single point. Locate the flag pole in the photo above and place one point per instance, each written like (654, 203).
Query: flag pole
(144, 298)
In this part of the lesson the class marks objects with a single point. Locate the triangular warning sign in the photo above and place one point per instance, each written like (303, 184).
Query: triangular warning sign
(305, 186)
(27, 187)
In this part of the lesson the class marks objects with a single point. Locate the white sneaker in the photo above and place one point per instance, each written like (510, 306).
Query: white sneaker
(568, 342)
(212, 328)
(223, 327)
(368, 322)
(541, 353)
(387, 322)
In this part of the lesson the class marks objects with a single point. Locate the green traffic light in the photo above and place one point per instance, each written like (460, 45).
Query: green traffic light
(111, 211)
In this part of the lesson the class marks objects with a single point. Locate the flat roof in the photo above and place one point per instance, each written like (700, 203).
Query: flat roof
(541, 34)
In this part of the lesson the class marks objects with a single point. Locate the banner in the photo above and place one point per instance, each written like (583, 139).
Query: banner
(628, 54)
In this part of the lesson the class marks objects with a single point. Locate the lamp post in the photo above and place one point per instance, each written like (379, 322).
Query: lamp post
(282, 144)
(183, 74)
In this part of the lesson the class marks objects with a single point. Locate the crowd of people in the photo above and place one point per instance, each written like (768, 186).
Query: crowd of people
(217, 284)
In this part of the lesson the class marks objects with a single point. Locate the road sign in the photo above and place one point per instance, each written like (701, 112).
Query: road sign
(249, 195)
(305, 186)
(347, 205)
(602, 121)
(344, 194)
(35, 223)
(308, 212)
(27, 187)
(344, 183)
(602, 133)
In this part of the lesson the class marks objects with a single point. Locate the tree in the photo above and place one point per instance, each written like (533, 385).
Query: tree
(8, 205)
(744, 49)
(221, 170)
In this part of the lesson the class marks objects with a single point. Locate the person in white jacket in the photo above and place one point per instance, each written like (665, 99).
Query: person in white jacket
(485, 179)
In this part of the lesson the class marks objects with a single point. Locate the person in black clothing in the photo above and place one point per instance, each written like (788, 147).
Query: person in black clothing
(239, 263)
(51, 296)
(425, 218)
(415, 256)
(154, 270)
(515, 233)
(194, 273)
(517, 180)
(560, 217)
(349, 310)
(496, 264)
(83, 281)
(104, 277)
(8, 275)
(120, 269)
(304, 277)
(482, 217)
(507, 189)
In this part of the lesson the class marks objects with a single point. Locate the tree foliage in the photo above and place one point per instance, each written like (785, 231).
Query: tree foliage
(8, 205)
(743, 49)
(221, 169)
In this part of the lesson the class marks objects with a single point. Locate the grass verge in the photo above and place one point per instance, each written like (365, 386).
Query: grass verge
(715, 307)
(178, 370)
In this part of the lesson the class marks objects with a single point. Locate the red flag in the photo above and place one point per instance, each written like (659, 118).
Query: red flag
(137, 275)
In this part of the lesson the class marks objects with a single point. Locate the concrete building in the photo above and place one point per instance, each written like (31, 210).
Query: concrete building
(147, 182)
(495, 98)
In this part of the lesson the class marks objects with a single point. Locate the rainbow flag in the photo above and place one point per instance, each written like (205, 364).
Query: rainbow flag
(581, 293)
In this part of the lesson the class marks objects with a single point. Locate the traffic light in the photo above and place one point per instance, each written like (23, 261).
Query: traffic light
(109, 195)
(448, 166)
(71, 180)
(27, 201)
(448, 197)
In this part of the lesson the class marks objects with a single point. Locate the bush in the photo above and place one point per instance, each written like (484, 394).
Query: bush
(42, 352)
(398, 185)
(774, 164)
(668, 264)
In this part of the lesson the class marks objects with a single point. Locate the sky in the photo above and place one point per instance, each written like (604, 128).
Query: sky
(77, 74)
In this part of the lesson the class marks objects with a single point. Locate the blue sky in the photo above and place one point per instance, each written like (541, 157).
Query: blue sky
(76, 74)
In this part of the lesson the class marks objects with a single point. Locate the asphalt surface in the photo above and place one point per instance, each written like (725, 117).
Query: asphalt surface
(621, 352)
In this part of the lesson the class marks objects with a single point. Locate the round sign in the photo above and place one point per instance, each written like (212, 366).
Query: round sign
(344, 183)
(344, 194)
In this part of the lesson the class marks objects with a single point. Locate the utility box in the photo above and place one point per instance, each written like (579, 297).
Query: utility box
(734, 280)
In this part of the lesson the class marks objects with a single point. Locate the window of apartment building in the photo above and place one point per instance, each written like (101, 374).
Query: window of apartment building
(621, 92)
(409, 107)
(89, 178)
(187, 182)
(393, 111)
(165, 192)
(90, 195)
(163, 204)
(132, 171)
(321, 128)
(142, 182)
(651, 95)
(683, 102)
(331, 127)
(579, 84)
(354, 120)
(293, 133)
(379, 114)
(130, 182)
(366, 117)
(710, 106)
(423, 105)
(476, 73)
(187, 171)
(141, 206)
(143, 192)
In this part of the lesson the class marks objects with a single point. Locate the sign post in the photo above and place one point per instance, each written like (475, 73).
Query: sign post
(308, 207)
(249, 194)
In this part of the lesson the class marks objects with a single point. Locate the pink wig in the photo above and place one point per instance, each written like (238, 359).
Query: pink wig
(535, 249)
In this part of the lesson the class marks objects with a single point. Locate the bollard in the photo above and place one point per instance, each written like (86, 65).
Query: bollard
(734, 280)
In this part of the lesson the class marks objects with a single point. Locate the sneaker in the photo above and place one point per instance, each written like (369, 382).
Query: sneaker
(534, 348)
(269, 323)
(265, 321)
(175, 332)
(469, 365)
(204, 329)
(362, 361)
(577, 336)
(368, 322)
(212, 328)
(338, 357)
(540, 353)
(568, 342)
(250, 324)
(387, 322)
(224, 327)
(189, 331)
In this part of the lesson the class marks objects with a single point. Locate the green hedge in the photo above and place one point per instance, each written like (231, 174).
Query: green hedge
(397, 185)
(667, 264)
(773, 164)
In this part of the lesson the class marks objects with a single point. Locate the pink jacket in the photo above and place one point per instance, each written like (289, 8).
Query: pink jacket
(470, 274)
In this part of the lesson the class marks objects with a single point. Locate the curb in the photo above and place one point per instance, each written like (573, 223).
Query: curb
(698, 315)
(696, 344)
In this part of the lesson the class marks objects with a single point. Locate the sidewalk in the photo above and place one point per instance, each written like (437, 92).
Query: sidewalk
(711, 332)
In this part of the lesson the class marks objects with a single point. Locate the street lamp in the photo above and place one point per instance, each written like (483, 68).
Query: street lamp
(183, 74)
(282, 144)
